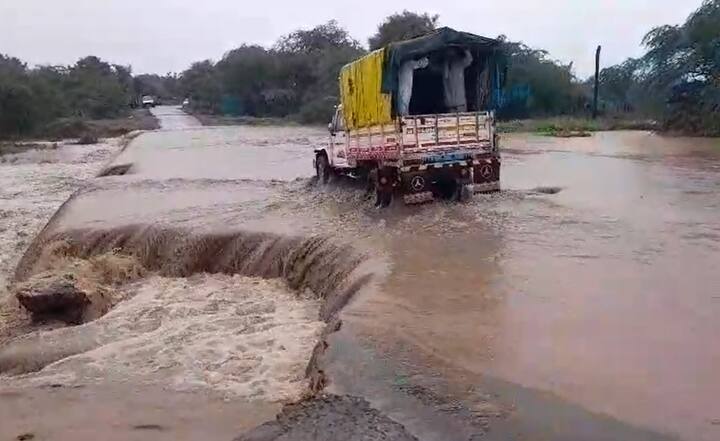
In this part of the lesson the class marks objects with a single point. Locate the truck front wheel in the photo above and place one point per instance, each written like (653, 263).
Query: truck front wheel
(322, 168)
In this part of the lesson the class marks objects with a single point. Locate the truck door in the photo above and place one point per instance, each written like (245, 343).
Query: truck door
(338, 140)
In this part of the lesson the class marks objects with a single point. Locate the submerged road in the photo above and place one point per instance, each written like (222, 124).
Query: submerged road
(581, 302)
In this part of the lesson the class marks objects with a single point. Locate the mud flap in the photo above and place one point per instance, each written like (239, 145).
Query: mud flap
(486, 176)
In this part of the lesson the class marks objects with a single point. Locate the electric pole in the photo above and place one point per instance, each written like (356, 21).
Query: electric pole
(597, 82)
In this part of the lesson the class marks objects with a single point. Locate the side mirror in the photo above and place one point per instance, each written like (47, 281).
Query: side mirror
(330, 127)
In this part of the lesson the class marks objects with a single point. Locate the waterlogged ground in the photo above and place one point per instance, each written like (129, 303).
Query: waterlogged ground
(581, 302)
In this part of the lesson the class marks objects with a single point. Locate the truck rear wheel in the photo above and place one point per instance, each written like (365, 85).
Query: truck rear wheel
(322, 168)
(383, 198)
(465, 192)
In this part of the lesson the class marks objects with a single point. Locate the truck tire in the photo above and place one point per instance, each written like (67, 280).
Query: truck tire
(384, 198)
(465, 193)
(322, 168)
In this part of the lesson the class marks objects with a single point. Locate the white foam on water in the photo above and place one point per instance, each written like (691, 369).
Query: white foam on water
(241, 337)
(33, 184)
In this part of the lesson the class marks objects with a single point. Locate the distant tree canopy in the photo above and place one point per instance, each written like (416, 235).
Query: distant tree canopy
(297, 76)
(402, 26)
(678, 78)
(537, 85)
(166, 87)
(33, 97)
(676, 81)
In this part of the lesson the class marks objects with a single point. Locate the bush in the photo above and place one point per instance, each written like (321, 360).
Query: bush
(66, 128)
(88, 138)
(319, 111)
(53, 99)
(18, 115)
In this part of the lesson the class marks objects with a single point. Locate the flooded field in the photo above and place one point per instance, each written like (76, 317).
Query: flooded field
(588, 282)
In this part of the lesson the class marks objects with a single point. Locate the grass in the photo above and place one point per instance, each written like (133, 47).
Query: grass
(84, 131)
(87, 130)
(221, 120)
(562, 127)
(567, 127)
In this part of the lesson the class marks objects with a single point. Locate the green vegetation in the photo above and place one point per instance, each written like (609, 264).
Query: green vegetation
(60, 101)
(678, 80)
(677, 83)
(296, 77)
(571, 126)
(402, 26)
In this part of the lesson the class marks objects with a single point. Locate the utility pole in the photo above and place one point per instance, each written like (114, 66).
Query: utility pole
(597, 82)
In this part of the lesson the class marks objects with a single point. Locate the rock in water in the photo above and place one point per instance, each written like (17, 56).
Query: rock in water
(56, 299)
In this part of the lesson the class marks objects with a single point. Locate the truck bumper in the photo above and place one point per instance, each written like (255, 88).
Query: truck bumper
(424, 183)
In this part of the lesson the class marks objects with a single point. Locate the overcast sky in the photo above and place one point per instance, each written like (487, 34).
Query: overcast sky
(159, 36)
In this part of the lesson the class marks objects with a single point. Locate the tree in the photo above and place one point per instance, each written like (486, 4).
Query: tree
(246, 74)
(318, 39)
(11, 66)
(17, 108)
(402, 26)
(678, 79)
(538, 85)
(619, 85)
(201, 83)
(166, 87)
(312, 61)
(94, 89)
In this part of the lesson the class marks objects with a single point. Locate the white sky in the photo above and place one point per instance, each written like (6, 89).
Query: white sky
(159, 36)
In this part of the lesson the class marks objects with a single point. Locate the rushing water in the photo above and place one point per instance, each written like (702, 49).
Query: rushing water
(592, 275)
(605, 294)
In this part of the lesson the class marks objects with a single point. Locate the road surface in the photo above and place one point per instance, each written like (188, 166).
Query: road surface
(578, 303)
(173, 118)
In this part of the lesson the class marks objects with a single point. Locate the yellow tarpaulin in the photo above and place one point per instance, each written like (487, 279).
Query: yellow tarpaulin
(363, 103)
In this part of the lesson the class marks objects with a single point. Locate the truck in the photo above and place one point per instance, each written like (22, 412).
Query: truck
(148, 101)
(416, 119)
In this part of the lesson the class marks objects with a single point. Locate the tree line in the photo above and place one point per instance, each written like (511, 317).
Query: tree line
(297, 76)
(32, 99)
(676, 82)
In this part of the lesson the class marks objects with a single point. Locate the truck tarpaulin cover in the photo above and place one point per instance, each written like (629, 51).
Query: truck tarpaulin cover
(397, 53)
(369, 85)
(364, 104)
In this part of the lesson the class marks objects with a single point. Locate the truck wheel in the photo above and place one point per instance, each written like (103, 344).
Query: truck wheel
(322, 168)
(383, 198)
(465, 193)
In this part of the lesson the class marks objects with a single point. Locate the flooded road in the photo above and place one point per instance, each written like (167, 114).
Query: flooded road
(592, 276)
(604, 294)
(173, 118)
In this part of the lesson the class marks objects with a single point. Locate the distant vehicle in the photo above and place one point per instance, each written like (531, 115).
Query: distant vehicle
(186, 102)
(415, 119)
(148, 101)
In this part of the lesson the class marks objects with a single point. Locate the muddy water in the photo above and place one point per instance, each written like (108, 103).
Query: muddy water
(602, 294)
(605, 293)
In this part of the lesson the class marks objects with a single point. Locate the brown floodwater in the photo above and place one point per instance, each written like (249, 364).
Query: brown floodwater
(593, 275)
(605, 293)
